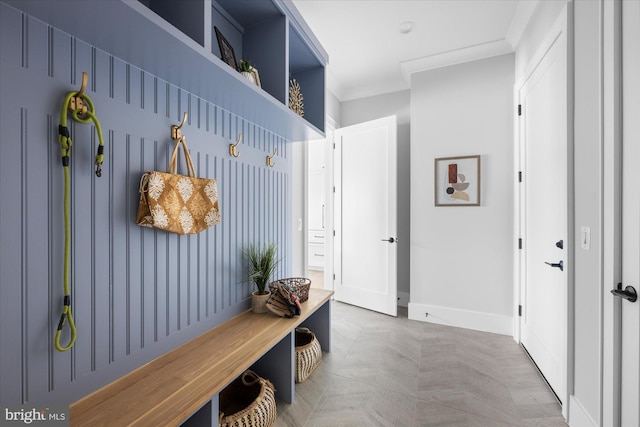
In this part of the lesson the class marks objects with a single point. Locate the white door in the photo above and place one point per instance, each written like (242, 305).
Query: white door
(365, 215)
(543, 210)
(630, 311)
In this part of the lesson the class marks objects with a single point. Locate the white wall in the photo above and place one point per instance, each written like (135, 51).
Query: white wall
(588, 208)
(375, 107)
(461, 257)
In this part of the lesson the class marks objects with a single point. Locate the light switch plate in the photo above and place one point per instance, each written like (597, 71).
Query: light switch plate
(299, 224)
(585, 238)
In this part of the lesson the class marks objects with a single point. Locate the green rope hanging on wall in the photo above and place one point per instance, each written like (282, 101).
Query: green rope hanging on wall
(82, 111)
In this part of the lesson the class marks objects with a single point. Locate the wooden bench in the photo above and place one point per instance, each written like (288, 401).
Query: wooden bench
(182, 386)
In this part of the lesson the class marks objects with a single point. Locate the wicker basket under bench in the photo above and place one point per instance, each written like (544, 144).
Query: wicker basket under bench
(184, 384)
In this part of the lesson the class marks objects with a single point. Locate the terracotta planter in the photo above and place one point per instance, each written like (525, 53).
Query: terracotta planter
(259, 302)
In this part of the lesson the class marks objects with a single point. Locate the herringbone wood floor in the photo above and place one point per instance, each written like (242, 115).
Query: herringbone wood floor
(385, 371)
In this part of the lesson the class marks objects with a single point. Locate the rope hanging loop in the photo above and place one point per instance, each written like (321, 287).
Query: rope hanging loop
(82, 111)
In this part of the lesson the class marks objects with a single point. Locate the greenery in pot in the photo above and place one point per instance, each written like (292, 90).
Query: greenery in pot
(262, 264)
(245, 66)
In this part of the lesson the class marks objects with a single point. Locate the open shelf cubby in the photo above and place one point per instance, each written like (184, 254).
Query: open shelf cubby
(176, 41)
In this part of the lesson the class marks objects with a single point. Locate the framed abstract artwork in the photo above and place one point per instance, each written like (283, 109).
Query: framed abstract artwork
(457, 181)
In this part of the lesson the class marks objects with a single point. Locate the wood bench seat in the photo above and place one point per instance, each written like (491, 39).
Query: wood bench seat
(169, 389)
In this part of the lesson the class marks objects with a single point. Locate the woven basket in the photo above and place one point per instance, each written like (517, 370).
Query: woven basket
(308, 353)
(299, 285)
(250, 400)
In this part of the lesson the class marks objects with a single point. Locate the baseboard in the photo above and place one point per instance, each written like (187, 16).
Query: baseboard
(578, 416)
(403, 299)
(476, 320)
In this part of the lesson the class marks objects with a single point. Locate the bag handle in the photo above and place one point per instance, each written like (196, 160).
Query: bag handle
(173, 161)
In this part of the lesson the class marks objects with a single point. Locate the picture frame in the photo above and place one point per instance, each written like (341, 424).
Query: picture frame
(457, 181)
(226, 50)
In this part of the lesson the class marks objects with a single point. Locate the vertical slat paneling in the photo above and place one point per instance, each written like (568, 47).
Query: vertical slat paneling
(161, 306)
(10, 42)
(38, 36)
(225, 173)
(100, 305)
(219, 232)
(247, 286)
(149, 260)
(120, 301)
(119, 80)
(136, 292)
(29, 195)
(81, 167)
(134, 246)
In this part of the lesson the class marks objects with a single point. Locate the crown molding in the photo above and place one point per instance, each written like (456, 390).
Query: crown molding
(520, 21)
(456, 56)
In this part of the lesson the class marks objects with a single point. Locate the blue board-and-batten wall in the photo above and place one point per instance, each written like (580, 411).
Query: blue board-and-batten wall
(137, 292)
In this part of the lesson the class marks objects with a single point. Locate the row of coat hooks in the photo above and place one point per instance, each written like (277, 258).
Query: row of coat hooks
(233, 148)
(77, 103)
(233, 151)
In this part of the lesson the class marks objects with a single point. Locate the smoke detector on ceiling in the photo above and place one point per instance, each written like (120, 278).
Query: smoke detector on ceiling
(407, 27)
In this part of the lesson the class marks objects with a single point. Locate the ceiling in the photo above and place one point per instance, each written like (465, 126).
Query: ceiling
(368, 55)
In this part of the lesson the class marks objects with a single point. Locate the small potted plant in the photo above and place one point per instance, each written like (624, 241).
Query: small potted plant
(247, 70)
(262, 265)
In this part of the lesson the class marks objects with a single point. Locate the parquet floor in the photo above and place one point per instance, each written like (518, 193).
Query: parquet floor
(386, 371)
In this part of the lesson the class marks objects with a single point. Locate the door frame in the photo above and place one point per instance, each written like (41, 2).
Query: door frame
(330, 127)
(562, 26)
(329, 250)
(612, 211)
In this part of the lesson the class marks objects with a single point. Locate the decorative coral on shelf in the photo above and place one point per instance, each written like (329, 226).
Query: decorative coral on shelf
(296, 103)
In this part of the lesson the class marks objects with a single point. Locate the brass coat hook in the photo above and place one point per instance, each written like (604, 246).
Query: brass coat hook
(270, 161)
(233, 148)
(77, 102)
(176, 133)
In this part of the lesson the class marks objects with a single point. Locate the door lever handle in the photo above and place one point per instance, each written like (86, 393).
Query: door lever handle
(390, 240)
(559, 265)
(629, 293)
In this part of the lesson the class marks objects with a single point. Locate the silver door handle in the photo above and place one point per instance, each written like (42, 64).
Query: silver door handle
(390, 240)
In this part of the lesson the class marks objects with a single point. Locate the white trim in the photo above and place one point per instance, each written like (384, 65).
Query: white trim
(612, 205)
(456, 56)
(468, 319)
(579, 417)
(330, 126)
(520, 21)
(554, 32)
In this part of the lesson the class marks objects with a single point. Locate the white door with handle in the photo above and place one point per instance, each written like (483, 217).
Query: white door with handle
(365, 249)
(544, 218)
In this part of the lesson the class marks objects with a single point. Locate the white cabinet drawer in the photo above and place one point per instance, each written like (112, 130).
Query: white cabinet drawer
(316, 256)
(316, 236)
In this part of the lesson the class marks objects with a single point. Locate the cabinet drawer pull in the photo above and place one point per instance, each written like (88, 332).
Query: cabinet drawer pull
(318, 254)
(318, 237)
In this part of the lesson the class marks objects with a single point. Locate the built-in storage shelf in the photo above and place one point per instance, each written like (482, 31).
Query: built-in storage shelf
(175, 40)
